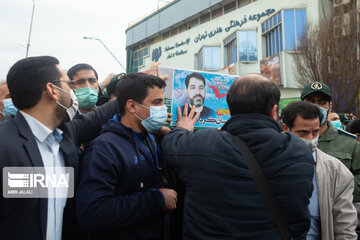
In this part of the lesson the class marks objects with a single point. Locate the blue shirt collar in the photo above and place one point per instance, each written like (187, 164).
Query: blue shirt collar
(40, 131)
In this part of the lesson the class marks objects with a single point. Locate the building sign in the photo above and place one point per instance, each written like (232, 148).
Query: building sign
(270, 67)
(156, 53)
(177, 53)
(257, 17)
(178, 44)
(203, 36)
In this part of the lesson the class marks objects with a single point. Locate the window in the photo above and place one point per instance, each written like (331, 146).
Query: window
(216, 13)
(193, 23)
(242, 3)
(294, 27)
(166, 35)
(174, 31)
(138, 58)
(247, 40)
(241, 46)
(294, 24)
(183, 28)
(230, 7)
(204, 18)
(230, 49)
(272, 31)
(208, 58)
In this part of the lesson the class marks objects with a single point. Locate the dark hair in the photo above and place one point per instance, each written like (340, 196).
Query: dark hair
(353, 126)
(28, 77)
(136, 86)
(81, 66)
(305, 110)
(194, 75)
(252, 93)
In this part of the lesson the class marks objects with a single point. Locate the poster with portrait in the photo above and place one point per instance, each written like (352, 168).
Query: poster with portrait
(206, 91)
(270, 67)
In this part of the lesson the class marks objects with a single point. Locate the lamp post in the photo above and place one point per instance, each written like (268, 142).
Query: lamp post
(98, 39)
(32, 17)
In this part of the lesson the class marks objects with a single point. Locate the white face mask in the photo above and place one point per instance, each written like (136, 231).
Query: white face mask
(311, 144)
(71, 111)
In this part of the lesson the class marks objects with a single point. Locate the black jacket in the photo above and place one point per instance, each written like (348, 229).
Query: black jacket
(26, 218)
(221, 198)
(118, 193)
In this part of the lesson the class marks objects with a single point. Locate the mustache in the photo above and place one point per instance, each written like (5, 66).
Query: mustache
(198, 96)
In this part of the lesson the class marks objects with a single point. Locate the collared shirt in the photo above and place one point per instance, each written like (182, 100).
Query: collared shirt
(48, 144)
(314, 232)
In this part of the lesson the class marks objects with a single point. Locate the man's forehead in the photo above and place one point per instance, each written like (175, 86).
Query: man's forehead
(84, 73)
(195, 80)
(299, 120)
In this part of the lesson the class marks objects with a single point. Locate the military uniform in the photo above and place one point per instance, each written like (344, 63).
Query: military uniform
(345, 148)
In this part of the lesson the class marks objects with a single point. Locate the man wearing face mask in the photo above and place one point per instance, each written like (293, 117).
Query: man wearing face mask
(86, 84)
(6, 105)
(332, 141)
(123, 168)
(333, 215)
(334, 119)
(44, 134)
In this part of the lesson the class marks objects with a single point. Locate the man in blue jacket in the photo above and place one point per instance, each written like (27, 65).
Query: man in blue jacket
(122, 189)
(222, 200)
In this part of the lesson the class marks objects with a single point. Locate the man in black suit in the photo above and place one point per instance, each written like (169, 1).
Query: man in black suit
(195, 91)
(43, 127)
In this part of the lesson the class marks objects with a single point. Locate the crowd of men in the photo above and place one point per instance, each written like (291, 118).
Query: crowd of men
(135, 178)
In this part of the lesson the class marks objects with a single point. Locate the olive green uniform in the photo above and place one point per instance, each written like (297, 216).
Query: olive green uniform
(345, 148)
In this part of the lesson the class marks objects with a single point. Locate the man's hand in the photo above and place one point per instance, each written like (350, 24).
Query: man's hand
(170, 198)
(106, 81)
(187, 121)
(162, 131)
(169, 118)
(153, 70)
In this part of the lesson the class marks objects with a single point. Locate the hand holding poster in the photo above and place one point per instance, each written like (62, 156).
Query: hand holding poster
(206, 91)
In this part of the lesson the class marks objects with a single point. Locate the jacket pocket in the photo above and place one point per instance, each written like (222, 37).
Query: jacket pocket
(344, 157)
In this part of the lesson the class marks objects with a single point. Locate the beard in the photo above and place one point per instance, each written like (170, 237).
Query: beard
(197, 101)
(60, 112)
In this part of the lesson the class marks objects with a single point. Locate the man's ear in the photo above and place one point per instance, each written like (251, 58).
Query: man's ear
(274, 113)
(52, 92)
(130, 106)
(330, 106)
(285, 128)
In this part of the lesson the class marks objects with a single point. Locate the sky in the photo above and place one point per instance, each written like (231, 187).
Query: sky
(59, 26)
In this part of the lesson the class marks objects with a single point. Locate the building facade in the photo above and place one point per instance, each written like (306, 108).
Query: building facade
(234, 36)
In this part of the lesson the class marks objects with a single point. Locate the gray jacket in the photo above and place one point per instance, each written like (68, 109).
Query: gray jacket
(335, 189)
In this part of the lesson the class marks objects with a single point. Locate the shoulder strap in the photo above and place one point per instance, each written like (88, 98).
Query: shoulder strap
(264, 188)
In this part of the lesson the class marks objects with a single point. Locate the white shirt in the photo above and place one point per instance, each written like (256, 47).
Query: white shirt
(53, 160)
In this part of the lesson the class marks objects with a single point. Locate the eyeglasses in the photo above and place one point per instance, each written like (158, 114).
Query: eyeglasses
(92, 81)
(69, 83)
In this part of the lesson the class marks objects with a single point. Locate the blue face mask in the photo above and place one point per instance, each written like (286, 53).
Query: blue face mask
(324, 112)
(157, 118)
(337, 124)
(9, 107)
